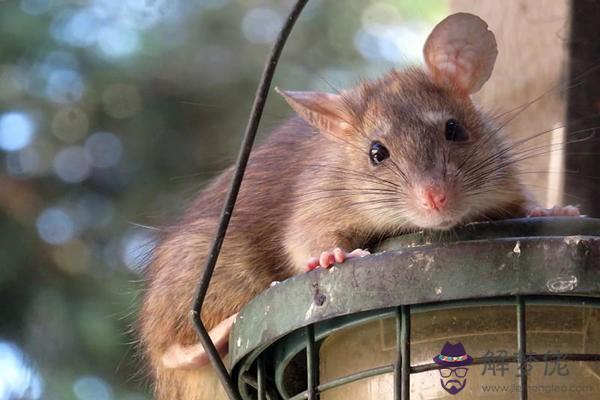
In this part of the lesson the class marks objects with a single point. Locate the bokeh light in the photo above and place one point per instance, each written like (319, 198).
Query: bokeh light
(104, 149)
(378, 18)
(92, 388)
(72, 164)
(93, 210)
(55, 226)
(58, 59)
(386, 36)
(64, 86)
(33, 160)
(16, 130)
(23, 163)
(112, 28)
(70, 124)
(19, 379)
(136, 248)
(117, 40)
(76, 28)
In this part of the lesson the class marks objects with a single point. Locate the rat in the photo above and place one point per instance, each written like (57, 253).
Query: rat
(405, 152)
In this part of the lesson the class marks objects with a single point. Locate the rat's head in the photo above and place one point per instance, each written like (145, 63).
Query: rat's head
(426, 154)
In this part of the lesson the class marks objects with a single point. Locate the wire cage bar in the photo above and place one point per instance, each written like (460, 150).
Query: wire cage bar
(311, 363)
(522, 347)
(404, 352)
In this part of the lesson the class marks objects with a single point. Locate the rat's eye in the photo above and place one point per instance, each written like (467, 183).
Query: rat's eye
(455, 131)
(378, 153)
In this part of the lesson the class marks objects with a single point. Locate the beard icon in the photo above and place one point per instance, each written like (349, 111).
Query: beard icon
(453, 386)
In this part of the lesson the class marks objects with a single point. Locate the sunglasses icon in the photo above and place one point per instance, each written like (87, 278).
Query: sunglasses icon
(459, 372)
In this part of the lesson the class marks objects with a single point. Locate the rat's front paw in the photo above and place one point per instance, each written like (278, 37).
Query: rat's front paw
(337, 255)
(556, 211)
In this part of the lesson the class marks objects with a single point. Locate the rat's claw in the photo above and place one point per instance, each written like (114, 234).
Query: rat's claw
(327, 259)
(358, 253)
(339, 255)
(336, 256)
(556, 211)
(312, 263)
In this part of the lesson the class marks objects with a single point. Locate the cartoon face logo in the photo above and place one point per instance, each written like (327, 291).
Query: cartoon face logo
(454, 359)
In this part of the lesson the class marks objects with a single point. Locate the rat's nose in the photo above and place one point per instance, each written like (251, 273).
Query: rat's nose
(433, 197)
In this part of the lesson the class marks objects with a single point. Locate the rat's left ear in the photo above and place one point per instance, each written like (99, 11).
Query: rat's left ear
(461, 51)
(194, 356)
(325, 111)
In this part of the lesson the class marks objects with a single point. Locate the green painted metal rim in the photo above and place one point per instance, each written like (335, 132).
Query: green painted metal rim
(535, 264)
(520, 227)
(533, 256)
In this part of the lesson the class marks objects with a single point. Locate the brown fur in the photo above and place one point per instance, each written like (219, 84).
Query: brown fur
(305, 192)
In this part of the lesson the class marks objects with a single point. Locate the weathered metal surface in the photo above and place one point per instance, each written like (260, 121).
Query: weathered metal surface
(475, 268)
(539, 226)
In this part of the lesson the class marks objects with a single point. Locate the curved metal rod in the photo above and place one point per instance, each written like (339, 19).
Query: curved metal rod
(240, 167)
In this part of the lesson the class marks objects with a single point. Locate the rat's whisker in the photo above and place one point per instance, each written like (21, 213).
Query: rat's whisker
(346, 173)
(375, 197)
(527, 153)
(558, 88)
(507, 149)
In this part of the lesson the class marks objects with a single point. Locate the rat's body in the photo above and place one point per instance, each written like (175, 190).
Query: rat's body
(295, 202)
(406, 152)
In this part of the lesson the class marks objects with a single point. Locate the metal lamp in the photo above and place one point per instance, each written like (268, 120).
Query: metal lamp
(503, 310)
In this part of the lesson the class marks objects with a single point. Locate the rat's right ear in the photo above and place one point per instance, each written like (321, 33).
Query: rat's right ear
(325, 111)
(461, 51)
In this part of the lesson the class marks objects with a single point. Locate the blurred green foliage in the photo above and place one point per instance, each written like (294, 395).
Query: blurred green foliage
(112, 114)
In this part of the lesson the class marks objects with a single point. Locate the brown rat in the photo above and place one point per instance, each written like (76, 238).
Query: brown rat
(404, 152)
